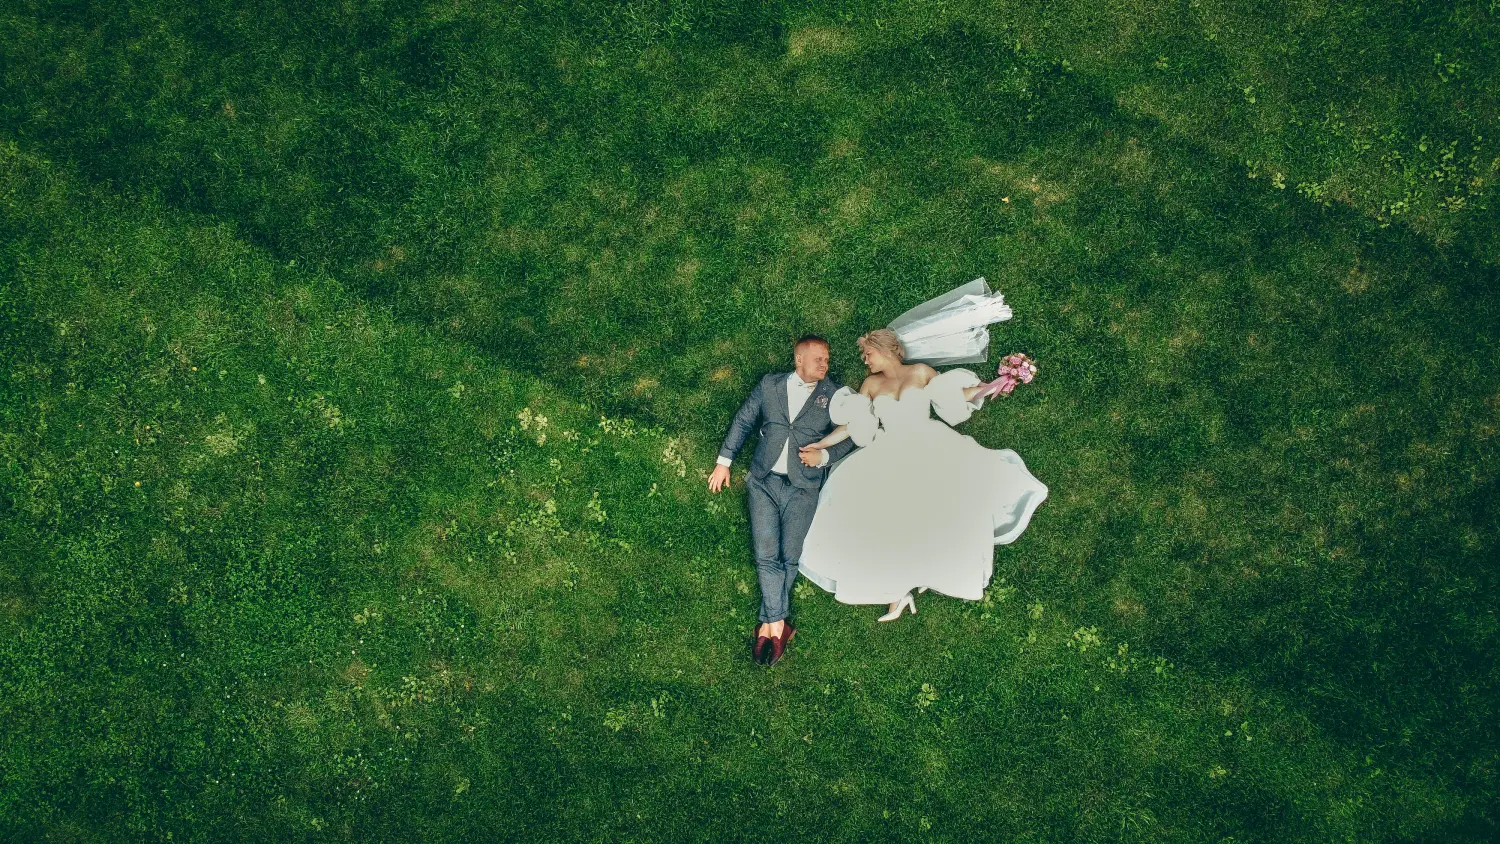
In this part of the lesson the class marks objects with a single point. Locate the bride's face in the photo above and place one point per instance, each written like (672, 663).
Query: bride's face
(876, 360)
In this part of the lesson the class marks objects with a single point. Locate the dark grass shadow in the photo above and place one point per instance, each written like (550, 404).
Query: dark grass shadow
(480, 197)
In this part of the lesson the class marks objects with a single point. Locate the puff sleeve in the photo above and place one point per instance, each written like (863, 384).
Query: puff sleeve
(854, 410)
(946, 391)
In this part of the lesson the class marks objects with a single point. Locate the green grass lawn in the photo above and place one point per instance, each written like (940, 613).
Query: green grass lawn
(363, 368)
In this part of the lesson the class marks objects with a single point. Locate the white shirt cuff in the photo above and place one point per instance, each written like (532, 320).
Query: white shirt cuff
(725, 461)
(824, 460)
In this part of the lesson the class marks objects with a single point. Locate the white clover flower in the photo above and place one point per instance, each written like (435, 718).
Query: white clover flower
(671, 456)
(595, 510)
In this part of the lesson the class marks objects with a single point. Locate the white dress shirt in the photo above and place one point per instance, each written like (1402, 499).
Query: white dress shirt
(797, 393)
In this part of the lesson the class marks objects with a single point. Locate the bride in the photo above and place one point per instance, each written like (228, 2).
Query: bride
(919, 506)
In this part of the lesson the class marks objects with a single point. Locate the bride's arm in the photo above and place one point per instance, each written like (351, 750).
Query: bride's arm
(929, 373)
(956, 394)
(836, 436)
(814, 454)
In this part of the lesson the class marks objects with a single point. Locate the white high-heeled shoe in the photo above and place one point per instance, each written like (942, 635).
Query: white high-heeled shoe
(907, 602)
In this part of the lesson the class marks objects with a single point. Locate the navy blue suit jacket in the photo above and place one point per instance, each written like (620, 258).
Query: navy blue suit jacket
(767, 407)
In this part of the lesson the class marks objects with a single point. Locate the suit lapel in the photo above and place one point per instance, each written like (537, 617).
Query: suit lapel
(818, 391)
(778, 398)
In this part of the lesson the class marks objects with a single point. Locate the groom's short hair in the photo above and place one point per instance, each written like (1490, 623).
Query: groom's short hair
(810, 338)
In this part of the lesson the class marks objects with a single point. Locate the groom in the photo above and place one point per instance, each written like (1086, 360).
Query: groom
(782, 493)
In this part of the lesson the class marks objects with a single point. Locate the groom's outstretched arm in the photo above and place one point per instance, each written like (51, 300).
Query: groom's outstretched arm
(739, 429)
(744, 422)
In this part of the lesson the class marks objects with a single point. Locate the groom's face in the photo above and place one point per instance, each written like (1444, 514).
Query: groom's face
(812, 361)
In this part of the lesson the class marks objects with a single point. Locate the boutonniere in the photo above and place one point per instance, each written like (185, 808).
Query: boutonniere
(821, 401)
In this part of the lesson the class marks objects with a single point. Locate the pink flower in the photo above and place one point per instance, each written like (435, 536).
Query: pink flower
(1013, 370)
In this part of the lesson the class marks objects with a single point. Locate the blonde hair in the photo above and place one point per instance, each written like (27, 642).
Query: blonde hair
(883, 340)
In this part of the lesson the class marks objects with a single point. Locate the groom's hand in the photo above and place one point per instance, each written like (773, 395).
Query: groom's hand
(718, 479)
(812, 455)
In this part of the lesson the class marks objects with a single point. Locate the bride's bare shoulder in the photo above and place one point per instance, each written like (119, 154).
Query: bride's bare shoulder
(873, 385)
(924, 373)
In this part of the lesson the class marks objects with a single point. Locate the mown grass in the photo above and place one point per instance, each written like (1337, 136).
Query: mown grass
(1386, 109)
(394, 590)
(1268, 427)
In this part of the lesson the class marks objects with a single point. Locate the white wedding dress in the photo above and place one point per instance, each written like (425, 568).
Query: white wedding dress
(919, 504)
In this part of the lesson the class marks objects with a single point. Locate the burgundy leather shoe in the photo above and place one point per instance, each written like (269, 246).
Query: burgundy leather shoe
(760, 651)
(779, 643)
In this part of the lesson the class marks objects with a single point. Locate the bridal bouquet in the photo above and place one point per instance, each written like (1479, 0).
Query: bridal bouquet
(1014, 369)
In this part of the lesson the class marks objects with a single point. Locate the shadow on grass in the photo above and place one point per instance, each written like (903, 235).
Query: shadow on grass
(1271, 440)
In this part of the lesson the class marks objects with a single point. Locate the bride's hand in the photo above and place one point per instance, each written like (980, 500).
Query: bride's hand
(811, 455)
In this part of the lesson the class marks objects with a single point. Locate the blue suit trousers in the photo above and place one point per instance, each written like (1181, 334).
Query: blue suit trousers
(780, 515)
